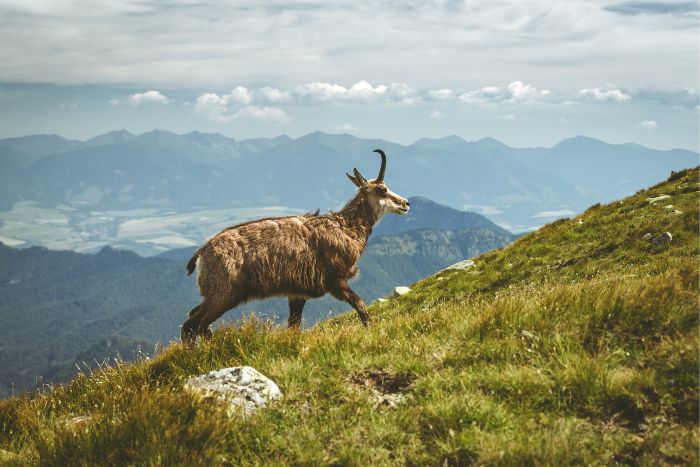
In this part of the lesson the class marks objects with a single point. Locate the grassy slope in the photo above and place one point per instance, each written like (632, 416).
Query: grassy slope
(576, 344)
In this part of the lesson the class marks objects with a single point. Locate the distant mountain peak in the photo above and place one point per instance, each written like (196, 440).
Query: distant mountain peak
(491, 142)
(113, 137)
(579, 140)
(444, 139)
(158, 132)
(444, 143)
(118, 133)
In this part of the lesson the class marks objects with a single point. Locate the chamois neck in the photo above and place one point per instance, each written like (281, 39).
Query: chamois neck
(359, 216)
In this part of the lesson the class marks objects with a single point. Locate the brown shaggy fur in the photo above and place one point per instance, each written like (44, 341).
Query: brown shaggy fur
(300, 257)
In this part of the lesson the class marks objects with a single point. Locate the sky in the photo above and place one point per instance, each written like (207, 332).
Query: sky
(528, 73)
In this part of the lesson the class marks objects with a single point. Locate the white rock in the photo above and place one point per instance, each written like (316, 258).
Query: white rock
(658, 198)
(670, 206)
(662, 239)
(647, 236)
(242, 387)
(78, 421)
(382, 300)
(460, 266)
(401, 290)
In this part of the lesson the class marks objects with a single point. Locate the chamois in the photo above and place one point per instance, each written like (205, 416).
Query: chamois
(300, 257)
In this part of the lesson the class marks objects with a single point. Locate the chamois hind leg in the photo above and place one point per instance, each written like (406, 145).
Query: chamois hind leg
(210, 312)
(345, 293)
(296, 306)
(188, 330)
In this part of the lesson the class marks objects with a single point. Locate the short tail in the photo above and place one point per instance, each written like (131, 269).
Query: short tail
(192, 264)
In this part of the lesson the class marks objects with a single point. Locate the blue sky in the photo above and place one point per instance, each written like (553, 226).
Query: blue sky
(528, 73)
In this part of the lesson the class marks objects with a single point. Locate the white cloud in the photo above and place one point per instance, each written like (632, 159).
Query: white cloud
(262, 113)
(482, 209)
(71, 105)
(515, 92)
(507, 118)
(212, 105)
(648, 124)
(227, 107)
(441, 94)
(361, 92)
(364, 93)
(522, 92)
(549, 214)
(114, 102)
(154, 97)
(611, 94)
(346, 127)
(289, 42)
(314, 93)
(239, 95)
(273, 95)
(436, 115)
(320, 92)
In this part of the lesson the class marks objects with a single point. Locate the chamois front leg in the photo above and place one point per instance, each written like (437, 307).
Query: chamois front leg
(296, 306)
(346, 294)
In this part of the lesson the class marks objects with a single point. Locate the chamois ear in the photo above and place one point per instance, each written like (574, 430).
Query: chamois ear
(359, 177)
(352, 179)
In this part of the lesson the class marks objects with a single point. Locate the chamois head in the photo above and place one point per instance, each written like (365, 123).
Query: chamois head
(379, 196)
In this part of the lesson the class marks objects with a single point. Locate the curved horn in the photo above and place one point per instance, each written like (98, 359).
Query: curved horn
(382, 169)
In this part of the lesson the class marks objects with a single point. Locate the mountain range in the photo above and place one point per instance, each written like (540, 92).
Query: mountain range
(158, 191)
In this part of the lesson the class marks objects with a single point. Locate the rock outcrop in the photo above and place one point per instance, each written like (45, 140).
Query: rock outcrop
(662, 239)
(461, 266)
(242, 387)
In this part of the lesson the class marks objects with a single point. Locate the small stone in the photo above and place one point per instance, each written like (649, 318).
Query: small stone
(440, 278)
(677, 212)
(77, 422)
(662, 239)
(657, 198)
(670, 206)
(461, 266)
(382, 300)
(580, 222)
(242, 387)
(647, 236)
(401, 290)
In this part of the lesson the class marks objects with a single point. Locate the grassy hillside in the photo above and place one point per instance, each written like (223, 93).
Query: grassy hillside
(576, 344)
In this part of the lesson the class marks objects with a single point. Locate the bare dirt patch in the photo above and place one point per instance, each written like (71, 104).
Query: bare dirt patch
(385, 388)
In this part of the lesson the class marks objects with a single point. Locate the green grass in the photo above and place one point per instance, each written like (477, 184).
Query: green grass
(578, 344)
